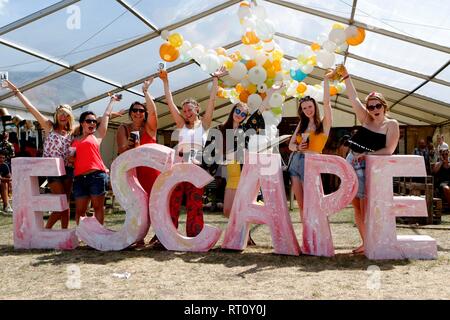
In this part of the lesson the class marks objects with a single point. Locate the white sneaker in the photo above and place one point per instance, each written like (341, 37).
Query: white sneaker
(8, 210)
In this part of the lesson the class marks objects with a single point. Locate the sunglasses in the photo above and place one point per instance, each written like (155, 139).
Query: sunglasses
(377, 106)
(89, 121)
(241, 113)
(138, 110)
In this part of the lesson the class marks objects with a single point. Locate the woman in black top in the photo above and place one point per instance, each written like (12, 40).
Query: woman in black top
(379, 135)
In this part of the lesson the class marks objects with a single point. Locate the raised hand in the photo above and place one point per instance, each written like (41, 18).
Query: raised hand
(163, 75)
(11, 86)
(330, 74)
(147, 83)
(222, 71)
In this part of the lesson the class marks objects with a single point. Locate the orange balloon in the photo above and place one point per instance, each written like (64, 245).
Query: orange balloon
(250, 38)
(168, 52)
(239, 88)
(271, 73)
(221, 51)
(250, 64)
(359, 38)
(315, 46)
(244, 4)
(301, 87)
(333, 91)
(263, 95)
(234, 56)
(244, 96)
(276, 65)
(268, 65)
(220, 92)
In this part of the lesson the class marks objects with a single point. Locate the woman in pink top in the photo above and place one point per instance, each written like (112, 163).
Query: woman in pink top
(90, 182)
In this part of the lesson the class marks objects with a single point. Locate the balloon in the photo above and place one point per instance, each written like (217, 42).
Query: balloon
(333, 91)
(265, 29)
(307, 68)
(165, 34)
(276, 100)
(168, 52)
(238, 71)
(337, 36)
(250, 37)
(277, 111)
(294, 64)
(297, 75)
(254, 101)
(315, 46)
(262, 88)
(260, 59)
(244, 4)
(248, 24)
(338, 26)
(221, 51)
(210, 63)
(244, 12)
(257, 75)
(228, 63)
(351, 32)
(197, 51)
(251, 88)
(285, 64)
(268, 46)
(250, 64)
(354, 41)
(301, 88)
(322, 38)
(325, 59)
(248, 52)
(260, 12)
(341, 48)
(277, 54)
(176, 40)
(243, 96)
(185, 47)
(329, 46)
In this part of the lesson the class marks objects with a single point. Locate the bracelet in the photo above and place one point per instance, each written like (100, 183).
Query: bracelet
(16, 91)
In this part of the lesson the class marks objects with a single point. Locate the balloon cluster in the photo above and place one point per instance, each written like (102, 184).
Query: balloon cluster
(260, 63)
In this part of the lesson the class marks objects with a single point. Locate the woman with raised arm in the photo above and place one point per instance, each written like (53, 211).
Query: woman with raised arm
(310, 136)
(91, 179)
(58, 138)
(192, 135)
(379, 135)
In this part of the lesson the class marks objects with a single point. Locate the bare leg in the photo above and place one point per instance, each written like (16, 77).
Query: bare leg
(4, 194)
(297, 187)
(358, 205)
(98, 203)
(56, 187)
(81, 205)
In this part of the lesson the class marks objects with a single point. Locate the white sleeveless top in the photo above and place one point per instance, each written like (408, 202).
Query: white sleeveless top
(194, 137)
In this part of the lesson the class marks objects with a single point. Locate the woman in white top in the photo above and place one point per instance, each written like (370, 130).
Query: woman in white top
(58, 137)
(192, 136)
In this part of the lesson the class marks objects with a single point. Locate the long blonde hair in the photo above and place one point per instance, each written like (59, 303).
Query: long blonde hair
(68, 110)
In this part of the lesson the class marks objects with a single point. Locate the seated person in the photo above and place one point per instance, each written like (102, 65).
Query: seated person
(441, 171)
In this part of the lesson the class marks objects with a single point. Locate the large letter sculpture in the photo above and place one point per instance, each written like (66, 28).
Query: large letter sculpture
(274, 212)
(159, 210)
(29, 232)
(382, 208)
(317, 239)
(131, 196)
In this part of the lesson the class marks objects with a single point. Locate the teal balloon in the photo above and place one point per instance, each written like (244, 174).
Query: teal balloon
(298, 75)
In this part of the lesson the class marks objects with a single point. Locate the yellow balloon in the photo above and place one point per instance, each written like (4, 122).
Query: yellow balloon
(277, 54)
(301, 87)
(338, 26)
(252, 88)
(176, 40)
(228, 63)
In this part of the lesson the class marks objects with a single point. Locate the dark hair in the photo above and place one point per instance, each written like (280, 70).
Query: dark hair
(83, 117)
(229, 123)
(304, 120)
(137, 103)
(3, 153)
(344, 140)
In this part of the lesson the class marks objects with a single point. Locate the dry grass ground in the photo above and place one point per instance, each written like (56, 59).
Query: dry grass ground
(255, 273)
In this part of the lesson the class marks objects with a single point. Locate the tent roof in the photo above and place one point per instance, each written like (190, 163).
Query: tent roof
(114, 47)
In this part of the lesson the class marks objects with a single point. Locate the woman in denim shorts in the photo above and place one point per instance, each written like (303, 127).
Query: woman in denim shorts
(310, 136)
(378, 135)
(91, 179)
(58, 137)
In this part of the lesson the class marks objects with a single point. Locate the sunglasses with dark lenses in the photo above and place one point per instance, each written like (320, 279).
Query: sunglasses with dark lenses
(89, 121)
(241, 113)
(138, 110)
(377, 106)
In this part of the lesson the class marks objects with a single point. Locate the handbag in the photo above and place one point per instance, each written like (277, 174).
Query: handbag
(284, 166)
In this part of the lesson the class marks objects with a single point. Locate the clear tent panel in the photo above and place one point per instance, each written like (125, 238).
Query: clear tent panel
(335, 7)
(401, 54)
(164, 13)
(435, 91)
(11, 11)
(426, 20)
(444, 74)
(59, 35)
(23, 68)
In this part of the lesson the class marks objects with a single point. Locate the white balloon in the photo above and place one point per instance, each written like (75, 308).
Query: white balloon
(244, 12)
(212, 51)
(257, 75)
(325, 59)
(249, 24)
(238, 71)
(285, 64)
(262, 88)
(268, 46)
(261, 58)
(265, 29)
(307, 68)
(337, 36)
(245, 83)
(210, 63)
(279, 76)
(276, 100)
(197, 51)
(260, 12)
(248, 52)
(234, 99)
(165, 34)
(322, 38)
(185, 47)
(342, 47)
(294, 65)
(308, 52)
(329, 46)
(254, 101)
(350, 32)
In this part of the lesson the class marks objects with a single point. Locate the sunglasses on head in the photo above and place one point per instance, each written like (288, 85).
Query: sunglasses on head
(377, 106)
(138, 110)
(89, 121)
(240, 112)
(306, 98)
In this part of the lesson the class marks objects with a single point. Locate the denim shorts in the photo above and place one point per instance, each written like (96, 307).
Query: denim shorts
(68, 175)
(92, 184)
(297, 166)
(360, 168)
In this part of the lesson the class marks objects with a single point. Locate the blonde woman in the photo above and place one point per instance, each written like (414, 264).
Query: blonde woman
(58, 138)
